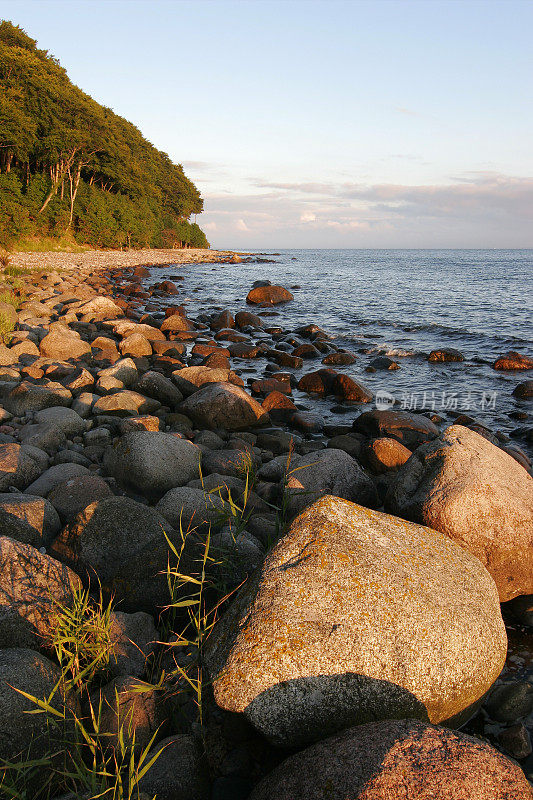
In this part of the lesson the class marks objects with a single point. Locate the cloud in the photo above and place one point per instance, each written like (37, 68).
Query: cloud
(476, 209)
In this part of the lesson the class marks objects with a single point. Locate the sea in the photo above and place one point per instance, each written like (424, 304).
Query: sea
(402, 304)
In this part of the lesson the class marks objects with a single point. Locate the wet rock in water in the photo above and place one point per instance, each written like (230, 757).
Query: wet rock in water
(23, 734)
(524, 391)
(19, 466)
(31, 584)
(513, 360)
(383, 455)
(72, 496)
(347, 388)
(445, 354)
(245, 319)
(318, 382)
(385, 363)
(329, 472)
(313, 644)
(408, 428)
(179, 773)
(478, 495)
(268, 385)
(278, 406)
(271, 295)
(152, 462)
(133, 639)
(223, 405)
(339, 359)
(223, 320)
(307, 422)
(392, 759)
(306, 351)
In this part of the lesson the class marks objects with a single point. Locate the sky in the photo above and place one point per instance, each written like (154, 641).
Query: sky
(320, 123)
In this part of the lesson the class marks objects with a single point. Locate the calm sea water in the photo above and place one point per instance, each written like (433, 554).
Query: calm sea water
(402, 303)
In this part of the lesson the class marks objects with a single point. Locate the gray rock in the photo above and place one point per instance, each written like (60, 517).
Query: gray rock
(193, 508)
(133, 639)
(153, 384)
(357, 615)
(479, 496)
(74, 495)
(31, 585)
(230, 462)
(223, 405)
(20, 731)
(18, 466)
(55, 475)
(509, 702)
(152, 462)
(52, 427)
(28, 396)
(35, 512)
(331, 472)
(179, 773)
(408, 428)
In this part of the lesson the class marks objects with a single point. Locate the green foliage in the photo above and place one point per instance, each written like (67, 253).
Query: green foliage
(69, 164)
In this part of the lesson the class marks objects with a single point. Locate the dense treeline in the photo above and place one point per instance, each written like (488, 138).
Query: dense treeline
(71, 166)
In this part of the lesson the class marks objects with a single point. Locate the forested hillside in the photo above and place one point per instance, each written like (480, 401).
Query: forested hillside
(69, 166)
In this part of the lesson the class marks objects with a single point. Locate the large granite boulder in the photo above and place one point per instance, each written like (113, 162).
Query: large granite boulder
(331, 472)
(31, 586)
(18, 466)
(180, 772)
(478, 495)
(223, 405)
(355, 616)
(152, 462)
(396, 759)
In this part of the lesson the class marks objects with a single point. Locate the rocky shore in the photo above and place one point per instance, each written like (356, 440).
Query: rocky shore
(209, 593)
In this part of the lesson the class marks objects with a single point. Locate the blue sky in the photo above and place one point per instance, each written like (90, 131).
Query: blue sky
(391, 123)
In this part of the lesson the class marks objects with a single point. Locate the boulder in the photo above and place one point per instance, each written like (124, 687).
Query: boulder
(152, 462)
(408, 428)
(23, 734)
(153, 384)
(478, 495)
(396, 759)
(28, 396)
(188, 508)
(130, 711)
(176, 323)
(64, 344)
(35, 512)
(125, 403)
(179, 773)
(136, 346)
(73, 495)
(383, 455)
(331, 472)
(120, 543)
(271, 295)
(31, 585)
(55, 475)
(512, 361)
(18, 466)
(223, 405)
(524, 391)
(355, 616)
(445, 354)
(100, 307)
(52, 426)
(133, 638)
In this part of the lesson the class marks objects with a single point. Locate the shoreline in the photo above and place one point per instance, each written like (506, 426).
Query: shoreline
(116, 259)
(125, 414)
